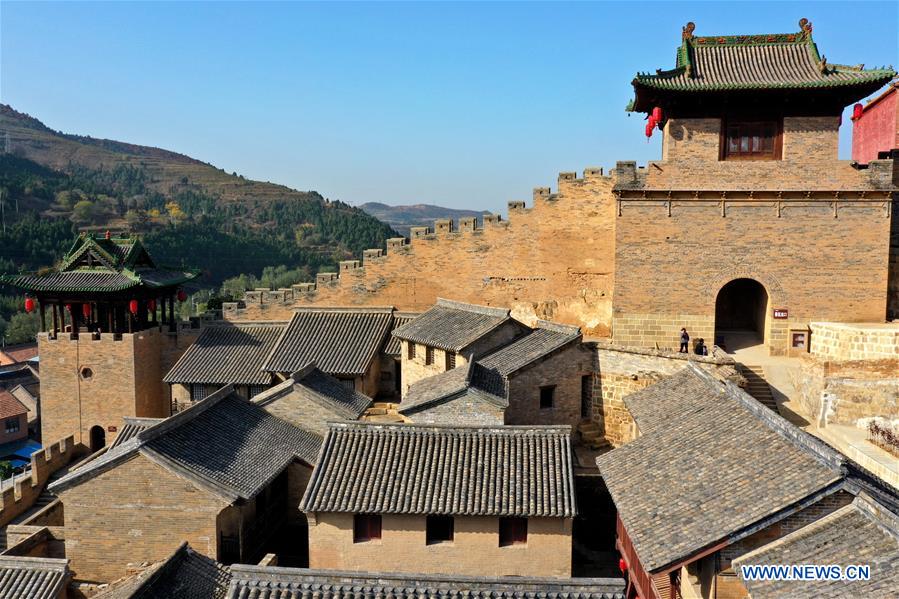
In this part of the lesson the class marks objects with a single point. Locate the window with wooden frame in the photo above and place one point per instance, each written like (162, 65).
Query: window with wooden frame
(752, 140)
(12, 425)
(366, 528)
(450, 360)
(429, 355)
(410, 351)
(513, 531)
(439, 529)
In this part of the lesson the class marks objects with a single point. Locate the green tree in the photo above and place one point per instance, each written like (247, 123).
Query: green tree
(23, 327)
(84, 212)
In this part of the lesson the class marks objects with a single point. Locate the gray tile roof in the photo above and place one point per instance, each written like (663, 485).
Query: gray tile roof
(452, 325)
(323, 389)
(447, 386)
(132, 427)
(32, 577)
(340, 341)
(419, 469)
(544, 340)
(186, 574)
(228, 354)
(863, 532)
(717, 464)
(223, 443)
(394, 347)
(255, 582)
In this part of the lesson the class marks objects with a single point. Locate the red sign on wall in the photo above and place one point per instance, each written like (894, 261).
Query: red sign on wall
(111, 429)
(781, 313)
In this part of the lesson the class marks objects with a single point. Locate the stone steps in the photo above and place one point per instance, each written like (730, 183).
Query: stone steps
(591, 435)
(757, 386)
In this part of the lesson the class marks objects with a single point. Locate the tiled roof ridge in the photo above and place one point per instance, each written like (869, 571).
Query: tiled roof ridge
(501, 429)
(275, 392)
(809, 444)
(408, 580)
(7, 393)
(883, 517)
(558, 327)
(142, 420)
(323, 399)
(476, 308)
(360, 309)
(24, 561)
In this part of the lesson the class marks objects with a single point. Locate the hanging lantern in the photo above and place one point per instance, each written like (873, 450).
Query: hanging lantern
(86, 310)
(181, 295)
(857, 111)
(622, 565)
(133, 306)
(151, 305)
(29, 304)
(652, 121)
(649, 128)
(69, 308)
(657, 114)
(108, 236)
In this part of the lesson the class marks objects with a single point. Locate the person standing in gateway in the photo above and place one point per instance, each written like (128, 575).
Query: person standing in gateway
(684, 341)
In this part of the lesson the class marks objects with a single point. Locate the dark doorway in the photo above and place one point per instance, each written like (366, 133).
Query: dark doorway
(586, 396)
(398, 377)
(98, 438)
(741, 307)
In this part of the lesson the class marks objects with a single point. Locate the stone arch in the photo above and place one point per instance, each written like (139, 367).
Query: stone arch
(774, 296)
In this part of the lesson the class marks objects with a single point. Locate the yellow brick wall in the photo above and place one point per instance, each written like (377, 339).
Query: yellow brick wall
(475, 550)
(137, 512)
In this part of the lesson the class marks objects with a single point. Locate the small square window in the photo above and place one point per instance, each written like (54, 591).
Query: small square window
(799, 340)
(429, 355)
(439, 529)
(547, 397)
(12, 425)
(450, 360)
(513, 531)
(366, 528)
(410, 352)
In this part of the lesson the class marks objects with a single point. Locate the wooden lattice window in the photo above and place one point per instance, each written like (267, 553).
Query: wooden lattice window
(429, 355)
(450, 360)
(410, 352)
(752, 140)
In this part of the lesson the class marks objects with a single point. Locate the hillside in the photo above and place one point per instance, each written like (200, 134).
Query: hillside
(242, 232)
(99, 184)
(403, 217)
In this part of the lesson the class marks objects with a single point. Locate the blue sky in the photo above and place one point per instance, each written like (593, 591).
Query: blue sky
(466, 105)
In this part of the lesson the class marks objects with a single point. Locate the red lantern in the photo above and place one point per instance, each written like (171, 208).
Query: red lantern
(657, 114)
(151, 305)
(86, 310)
(29, 304)
(622, 565)
(857, 111)
(649, 128)
(133, 306)
(181, 295)
(108, 236)
(69, 308)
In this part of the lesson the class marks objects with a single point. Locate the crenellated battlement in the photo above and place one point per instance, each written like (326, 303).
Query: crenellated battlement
(488, 238)
(20, 493)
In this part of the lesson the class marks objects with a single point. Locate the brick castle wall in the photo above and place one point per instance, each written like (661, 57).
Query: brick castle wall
(475, 549)
(641, 253)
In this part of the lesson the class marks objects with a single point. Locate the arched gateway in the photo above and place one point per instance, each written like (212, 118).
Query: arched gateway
(741, 314)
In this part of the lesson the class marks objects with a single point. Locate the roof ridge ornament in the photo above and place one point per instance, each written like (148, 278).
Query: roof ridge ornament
(687, 31)
(805, 29)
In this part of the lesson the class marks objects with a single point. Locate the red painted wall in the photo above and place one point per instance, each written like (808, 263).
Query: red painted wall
(877, 130)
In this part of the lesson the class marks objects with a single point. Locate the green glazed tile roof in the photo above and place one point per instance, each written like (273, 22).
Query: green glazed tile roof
(93, 265)
(767, 61)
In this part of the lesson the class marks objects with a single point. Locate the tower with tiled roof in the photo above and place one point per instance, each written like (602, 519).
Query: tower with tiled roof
(108, 332)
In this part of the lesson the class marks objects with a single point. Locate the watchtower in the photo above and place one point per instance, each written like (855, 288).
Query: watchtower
(108, 333)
